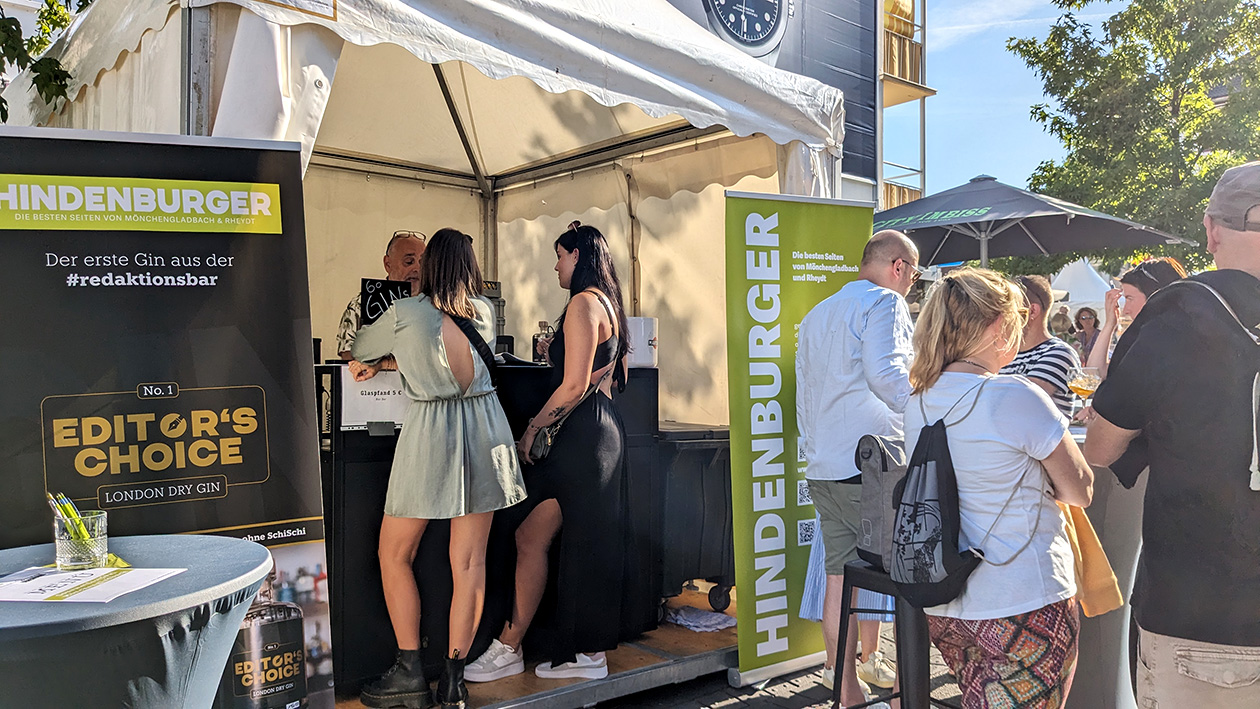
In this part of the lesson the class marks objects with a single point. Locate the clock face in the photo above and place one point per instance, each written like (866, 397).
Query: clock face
(748, 21)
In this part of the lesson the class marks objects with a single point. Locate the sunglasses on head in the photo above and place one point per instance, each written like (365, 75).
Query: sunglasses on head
(1142, 269)
(407, 234)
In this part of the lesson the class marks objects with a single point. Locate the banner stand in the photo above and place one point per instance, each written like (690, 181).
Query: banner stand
(735, 678)
(784, 255)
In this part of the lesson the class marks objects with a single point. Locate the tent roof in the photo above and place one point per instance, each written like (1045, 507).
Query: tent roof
(1082, 282)
(579, 75)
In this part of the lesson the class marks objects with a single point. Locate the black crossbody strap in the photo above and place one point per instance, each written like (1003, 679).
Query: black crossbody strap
(479, 344)
(1255, 384)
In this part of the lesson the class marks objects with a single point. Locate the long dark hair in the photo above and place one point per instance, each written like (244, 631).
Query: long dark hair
(449, 274)
(595, 269)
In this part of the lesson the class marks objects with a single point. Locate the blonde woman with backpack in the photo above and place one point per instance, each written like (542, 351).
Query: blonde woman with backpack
(1010, 637)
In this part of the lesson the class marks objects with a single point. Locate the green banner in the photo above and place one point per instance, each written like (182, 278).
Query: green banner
(59, 202)
(783, 256)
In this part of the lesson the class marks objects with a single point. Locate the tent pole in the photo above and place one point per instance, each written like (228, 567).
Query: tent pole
(490, 236)
(486, 188)
(984, 250)
(636, 229)
(195, 76)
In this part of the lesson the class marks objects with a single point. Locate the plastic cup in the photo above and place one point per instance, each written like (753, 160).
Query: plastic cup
(82, 545)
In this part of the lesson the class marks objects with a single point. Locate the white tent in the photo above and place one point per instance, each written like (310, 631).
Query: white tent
(504, 118)
(1085, 287)
(270, 67)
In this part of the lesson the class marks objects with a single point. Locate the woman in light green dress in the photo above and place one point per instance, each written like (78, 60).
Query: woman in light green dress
(455, 460)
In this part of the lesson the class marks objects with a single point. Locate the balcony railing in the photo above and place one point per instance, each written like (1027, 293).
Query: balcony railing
(896, 195)
(903, 57)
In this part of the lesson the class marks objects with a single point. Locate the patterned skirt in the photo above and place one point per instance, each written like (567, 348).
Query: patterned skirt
(1021, 662)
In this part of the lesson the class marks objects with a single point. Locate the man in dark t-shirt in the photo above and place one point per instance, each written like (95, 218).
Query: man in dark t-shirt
(1184, 373)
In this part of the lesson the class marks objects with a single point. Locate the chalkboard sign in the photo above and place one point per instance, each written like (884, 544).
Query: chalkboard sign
(376, 296)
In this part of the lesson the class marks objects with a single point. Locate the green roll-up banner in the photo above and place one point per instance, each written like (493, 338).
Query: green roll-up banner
(783, 256)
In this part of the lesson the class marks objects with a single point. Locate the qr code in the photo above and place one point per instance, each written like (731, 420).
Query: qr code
(802, 493)
(805, 532)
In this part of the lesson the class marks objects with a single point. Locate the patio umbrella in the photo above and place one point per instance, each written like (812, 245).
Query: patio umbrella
(1007, 221)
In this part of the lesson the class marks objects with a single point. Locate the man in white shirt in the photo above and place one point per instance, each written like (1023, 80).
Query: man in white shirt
(852, 379)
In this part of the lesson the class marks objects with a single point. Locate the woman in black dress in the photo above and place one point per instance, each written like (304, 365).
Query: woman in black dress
(574, 508)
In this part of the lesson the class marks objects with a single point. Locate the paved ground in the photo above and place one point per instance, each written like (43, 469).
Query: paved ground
(803, 690)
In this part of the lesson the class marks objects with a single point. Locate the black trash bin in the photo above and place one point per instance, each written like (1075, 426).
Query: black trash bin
(697, 528)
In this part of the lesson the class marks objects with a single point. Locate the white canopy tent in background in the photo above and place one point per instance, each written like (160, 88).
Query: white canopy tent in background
(504, 118)
(1085, 286)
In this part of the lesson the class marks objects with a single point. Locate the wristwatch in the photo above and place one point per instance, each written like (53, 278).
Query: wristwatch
(755, 26)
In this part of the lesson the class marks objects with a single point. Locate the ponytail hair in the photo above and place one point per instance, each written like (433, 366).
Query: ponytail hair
(595, 269)
(952, 323)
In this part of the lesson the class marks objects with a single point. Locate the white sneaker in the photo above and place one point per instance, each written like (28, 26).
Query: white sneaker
(497, 662)
(877, 670)
(583, 667)
(829, 682)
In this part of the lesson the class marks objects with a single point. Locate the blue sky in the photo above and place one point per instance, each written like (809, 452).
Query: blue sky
(979, 122)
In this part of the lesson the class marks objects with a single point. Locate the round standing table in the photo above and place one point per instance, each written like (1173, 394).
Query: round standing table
(164, 645)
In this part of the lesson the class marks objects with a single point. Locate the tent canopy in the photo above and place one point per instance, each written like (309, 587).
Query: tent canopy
(581, 79)
(1084, 285)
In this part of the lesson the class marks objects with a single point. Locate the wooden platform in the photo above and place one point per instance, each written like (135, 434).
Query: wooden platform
(667, 655)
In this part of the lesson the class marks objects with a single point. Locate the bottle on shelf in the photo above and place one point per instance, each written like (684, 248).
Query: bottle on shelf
(321, 584)
(286, 594)
(304, 586)
(318, 660)
(267, 667)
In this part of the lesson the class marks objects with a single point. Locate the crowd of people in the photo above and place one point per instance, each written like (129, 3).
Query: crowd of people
(456, 459)
(1179, 399)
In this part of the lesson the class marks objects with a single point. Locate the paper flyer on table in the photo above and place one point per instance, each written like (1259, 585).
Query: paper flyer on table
(85, 586)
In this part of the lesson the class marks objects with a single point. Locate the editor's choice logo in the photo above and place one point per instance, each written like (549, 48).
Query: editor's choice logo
(64, 202)
(277, 669)
(126, 449)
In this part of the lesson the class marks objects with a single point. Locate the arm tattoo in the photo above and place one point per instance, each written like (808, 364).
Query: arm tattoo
(558, 412)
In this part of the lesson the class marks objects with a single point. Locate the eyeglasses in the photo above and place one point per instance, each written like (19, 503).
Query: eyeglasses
(406, 234)
(918, 270)
(1085, 316)
(1142, 269)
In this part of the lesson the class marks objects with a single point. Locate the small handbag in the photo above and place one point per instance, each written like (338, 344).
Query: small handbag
(547, 434)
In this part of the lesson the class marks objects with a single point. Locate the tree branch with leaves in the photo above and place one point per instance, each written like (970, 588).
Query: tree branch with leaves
(49, 78)
(1152, 106)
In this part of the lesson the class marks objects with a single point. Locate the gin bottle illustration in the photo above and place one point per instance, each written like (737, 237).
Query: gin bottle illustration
(267, 667)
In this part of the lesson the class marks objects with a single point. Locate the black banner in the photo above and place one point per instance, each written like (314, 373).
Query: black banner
(157, 356)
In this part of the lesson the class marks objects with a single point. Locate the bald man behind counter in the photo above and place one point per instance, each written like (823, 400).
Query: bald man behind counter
(402, 263)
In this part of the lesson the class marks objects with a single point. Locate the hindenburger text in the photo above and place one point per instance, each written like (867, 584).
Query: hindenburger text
(137, 200)
(766, 416)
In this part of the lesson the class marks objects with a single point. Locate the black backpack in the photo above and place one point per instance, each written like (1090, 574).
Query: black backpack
(927, 565)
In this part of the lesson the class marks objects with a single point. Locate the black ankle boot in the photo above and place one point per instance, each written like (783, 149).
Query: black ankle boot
(404, 685)
(451, 691)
